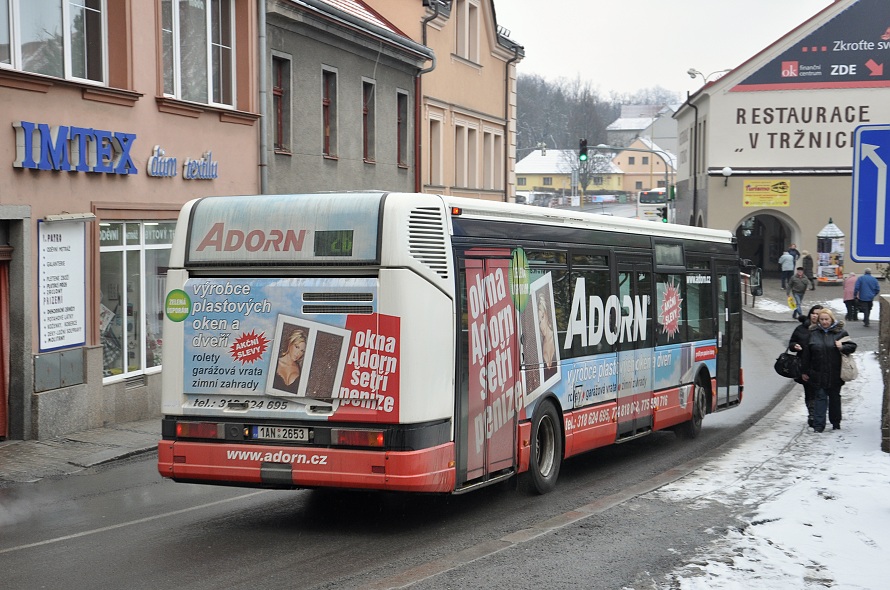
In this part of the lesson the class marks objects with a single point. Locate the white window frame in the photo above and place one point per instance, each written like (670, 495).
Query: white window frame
(286, 103)
(332, 150)
(403, 140)
(436, 151)
(177, 66)
(371, 128)
(492, 158)
(15, 42)
(467, 15)
(123, 249)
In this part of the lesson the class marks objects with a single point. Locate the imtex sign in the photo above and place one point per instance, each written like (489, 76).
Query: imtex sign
(73, 149)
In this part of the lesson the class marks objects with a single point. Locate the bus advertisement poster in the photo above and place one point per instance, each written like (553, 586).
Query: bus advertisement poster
(251, 338)
(495, 389)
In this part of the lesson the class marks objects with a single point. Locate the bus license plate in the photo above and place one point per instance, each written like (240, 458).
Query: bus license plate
(281, 433)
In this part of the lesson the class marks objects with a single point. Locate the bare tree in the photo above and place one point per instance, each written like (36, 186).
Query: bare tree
(558, 113)
(598, 163)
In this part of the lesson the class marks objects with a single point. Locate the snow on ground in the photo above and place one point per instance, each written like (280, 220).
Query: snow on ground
(813, 509)
(836, 305)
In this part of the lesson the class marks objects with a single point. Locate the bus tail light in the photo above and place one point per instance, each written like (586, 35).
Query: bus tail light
(200, 430)
(357, 438)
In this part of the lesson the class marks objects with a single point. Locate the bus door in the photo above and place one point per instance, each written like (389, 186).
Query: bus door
(634, 346)
(488, 368)
(729, 334)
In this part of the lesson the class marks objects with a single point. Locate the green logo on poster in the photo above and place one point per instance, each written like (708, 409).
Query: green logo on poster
(177, 305)
(519, 278)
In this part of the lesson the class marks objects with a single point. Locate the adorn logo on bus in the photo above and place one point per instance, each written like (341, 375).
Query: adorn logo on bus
(596, 318)
(231, 240)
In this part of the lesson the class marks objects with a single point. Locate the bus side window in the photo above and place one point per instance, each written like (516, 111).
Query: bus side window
(699, 306)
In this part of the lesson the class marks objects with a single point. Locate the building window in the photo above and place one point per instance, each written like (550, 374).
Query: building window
(460, 156)
(472, 158)
(520, 181)
(329, 113)
(631, 160)
(638, 185)
(369, 124)
(198, 51)
(598, 180)
(499, 162)
(548, 181)
(402, 129)
(281, 108)
(435, 152)
(645, 160)
(61, 38)
(487, 160)
(467, 29)
(492, 161)
(133, 259)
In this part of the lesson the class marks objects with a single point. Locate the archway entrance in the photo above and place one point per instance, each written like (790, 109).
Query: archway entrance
(762, 238)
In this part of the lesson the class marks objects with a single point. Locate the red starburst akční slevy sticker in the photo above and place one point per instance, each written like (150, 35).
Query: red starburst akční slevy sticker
(249, 347)
(670, 310)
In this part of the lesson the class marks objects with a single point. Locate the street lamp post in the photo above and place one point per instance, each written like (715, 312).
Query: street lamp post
(693, 73)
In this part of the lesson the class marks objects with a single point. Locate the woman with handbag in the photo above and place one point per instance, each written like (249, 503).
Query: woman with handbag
(798, 341)
(821, 367)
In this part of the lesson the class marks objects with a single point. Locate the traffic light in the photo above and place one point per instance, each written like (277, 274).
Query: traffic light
(582, 151)
(664, 214)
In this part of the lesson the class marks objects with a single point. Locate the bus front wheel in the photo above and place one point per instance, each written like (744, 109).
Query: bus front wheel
(546, 450)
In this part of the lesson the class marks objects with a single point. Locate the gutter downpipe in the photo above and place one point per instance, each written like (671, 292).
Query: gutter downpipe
(418, 105)
(264, 124)
(694, 161)
(507, 119)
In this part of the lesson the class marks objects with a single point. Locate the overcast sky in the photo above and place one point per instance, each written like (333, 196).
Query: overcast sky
(627, 45)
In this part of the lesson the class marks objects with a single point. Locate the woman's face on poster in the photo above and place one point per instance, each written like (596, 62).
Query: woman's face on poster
(296, 349)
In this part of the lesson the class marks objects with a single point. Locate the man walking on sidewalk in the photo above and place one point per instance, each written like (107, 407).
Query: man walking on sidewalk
(786, 263)
(797, 288)
(865, 291)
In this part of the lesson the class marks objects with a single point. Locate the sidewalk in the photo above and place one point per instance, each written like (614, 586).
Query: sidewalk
(772, 305)
(32, 460)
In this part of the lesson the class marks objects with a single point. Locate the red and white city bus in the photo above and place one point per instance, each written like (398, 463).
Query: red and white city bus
(427, 343)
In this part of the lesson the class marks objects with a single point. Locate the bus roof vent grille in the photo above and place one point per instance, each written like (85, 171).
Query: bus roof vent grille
(426, 239)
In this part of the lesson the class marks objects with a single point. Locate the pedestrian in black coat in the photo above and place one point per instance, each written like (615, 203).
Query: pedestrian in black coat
(821, 367)
(798, 341)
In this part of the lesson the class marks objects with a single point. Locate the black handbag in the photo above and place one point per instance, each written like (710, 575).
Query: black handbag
(788, 365)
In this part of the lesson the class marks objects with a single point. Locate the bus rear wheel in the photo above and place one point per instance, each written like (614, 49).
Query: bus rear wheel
(692, 427)
(546, 450)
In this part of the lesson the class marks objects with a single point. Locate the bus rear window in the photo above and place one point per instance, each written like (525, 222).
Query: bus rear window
(652, 197)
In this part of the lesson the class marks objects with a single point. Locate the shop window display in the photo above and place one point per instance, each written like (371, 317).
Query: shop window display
(133, 262)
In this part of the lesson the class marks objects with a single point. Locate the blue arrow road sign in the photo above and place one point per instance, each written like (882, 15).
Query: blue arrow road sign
(870, 241)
